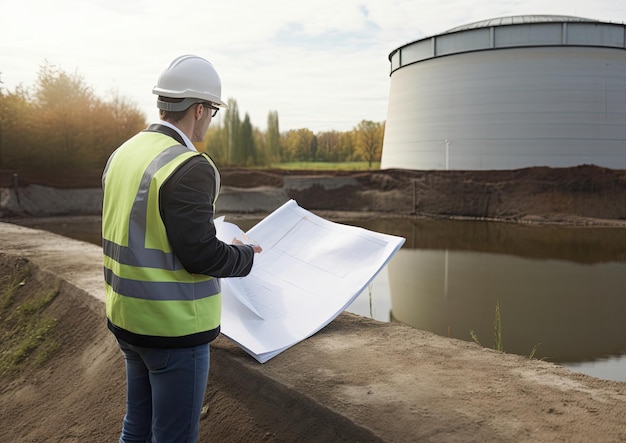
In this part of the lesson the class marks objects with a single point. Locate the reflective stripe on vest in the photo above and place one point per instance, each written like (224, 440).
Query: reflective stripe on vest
(148, 291)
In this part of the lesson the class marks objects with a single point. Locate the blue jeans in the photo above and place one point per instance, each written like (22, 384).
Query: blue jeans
(164, 393)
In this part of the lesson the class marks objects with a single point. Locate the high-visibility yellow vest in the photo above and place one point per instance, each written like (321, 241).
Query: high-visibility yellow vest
(148, 292)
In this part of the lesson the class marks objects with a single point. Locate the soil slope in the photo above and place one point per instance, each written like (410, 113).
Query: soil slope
(582, 194)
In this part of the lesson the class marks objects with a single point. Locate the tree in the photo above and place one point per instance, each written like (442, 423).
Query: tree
(299, 145)
(346, 146)
(73, 128)
(260, 144)
(111, 124)
(273, 137)
(56, 88)
(216, 143)
(65, 105)
(246, 139)
(16, 133)
(327, 146)
(369, 140)
(232, 124)
(236, 142)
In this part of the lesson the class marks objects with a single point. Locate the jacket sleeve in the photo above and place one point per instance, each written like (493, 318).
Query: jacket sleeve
(186, 205)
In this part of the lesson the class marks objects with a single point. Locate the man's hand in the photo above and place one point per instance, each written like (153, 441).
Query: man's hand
(257, 248)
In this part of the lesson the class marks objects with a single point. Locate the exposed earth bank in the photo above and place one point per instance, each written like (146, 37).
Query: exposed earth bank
(581, 195)
(552, 195)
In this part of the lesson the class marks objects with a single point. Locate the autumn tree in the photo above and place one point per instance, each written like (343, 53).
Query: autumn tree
(299, 145)
(369, 140)
(345, 148)
(111, 124)
(326, 143)
(65, 106)
(60, 124)
(16, 134)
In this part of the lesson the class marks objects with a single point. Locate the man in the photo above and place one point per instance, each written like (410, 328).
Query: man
(162, 259)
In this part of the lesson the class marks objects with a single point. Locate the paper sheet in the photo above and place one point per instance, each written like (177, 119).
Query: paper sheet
(310, 270)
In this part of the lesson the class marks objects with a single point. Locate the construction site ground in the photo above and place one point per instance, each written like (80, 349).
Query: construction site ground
(357, 380)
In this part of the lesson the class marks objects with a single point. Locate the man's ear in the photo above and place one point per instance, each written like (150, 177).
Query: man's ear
(198, 111)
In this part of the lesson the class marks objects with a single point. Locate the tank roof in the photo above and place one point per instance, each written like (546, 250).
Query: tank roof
(519, 20)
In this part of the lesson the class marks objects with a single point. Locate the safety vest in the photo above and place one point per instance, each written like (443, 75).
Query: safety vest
(150, 298)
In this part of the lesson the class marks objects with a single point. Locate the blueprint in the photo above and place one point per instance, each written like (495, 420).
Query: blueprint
(310, 270)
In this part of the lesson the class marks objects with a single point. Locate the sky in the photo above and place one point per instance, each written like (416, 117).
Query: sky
(322, 65)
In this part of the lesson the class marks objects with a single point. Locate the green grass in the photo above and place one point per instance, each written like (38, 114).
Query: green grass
(497, 330)
(11, 283)
(25, 329)
(327, 166)
(497, 334)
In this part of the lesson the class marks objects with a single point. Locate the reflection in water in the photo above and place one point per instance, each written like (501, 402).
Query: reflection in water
(574, 310)
(563, 287)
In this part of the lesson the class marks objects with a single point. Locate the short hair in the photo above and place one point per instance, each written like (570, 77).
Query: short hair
(174, 116)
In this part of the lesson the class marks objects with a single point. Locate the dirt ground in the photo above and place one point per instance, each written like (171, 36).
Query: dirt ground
(458, 391)
(584, 194)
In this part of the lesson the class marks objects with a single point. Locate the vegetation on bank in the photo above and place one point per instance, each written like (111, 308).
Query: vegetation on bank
(60, 124)
(497, 334)
(25, 328)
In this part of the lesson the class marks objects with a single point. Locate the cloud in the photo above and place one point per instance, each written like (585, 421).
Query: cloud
(321, 64)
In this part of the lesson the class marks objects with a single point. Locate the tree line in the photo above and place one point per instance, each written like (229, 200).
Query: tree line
(235, 142)
(60, 123)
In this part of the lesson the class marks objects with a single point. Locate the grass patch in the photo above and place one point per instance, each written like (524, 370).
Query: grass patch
(497, 334)
(25, 329)
(10, 284)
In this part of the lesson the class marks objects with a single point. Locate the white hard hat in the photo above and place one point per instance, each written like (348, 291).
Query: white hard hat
(191, 78)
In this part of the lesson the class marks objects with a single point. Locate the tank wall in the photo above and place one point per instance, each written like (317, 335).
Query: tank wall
(509, 108)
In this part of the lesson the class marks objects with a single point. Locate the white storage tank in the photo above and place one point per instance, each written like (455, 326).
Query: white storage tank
(509, 93)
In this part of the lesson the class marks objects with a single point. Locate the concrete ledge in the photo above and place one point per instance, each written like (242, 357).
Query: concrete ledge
(261, 199)
(362, 380)
(43, 200)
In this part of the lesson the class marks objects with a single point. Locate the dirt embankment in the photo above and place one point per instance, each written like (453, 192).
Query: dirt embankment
(582, 194)
(531, 194)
